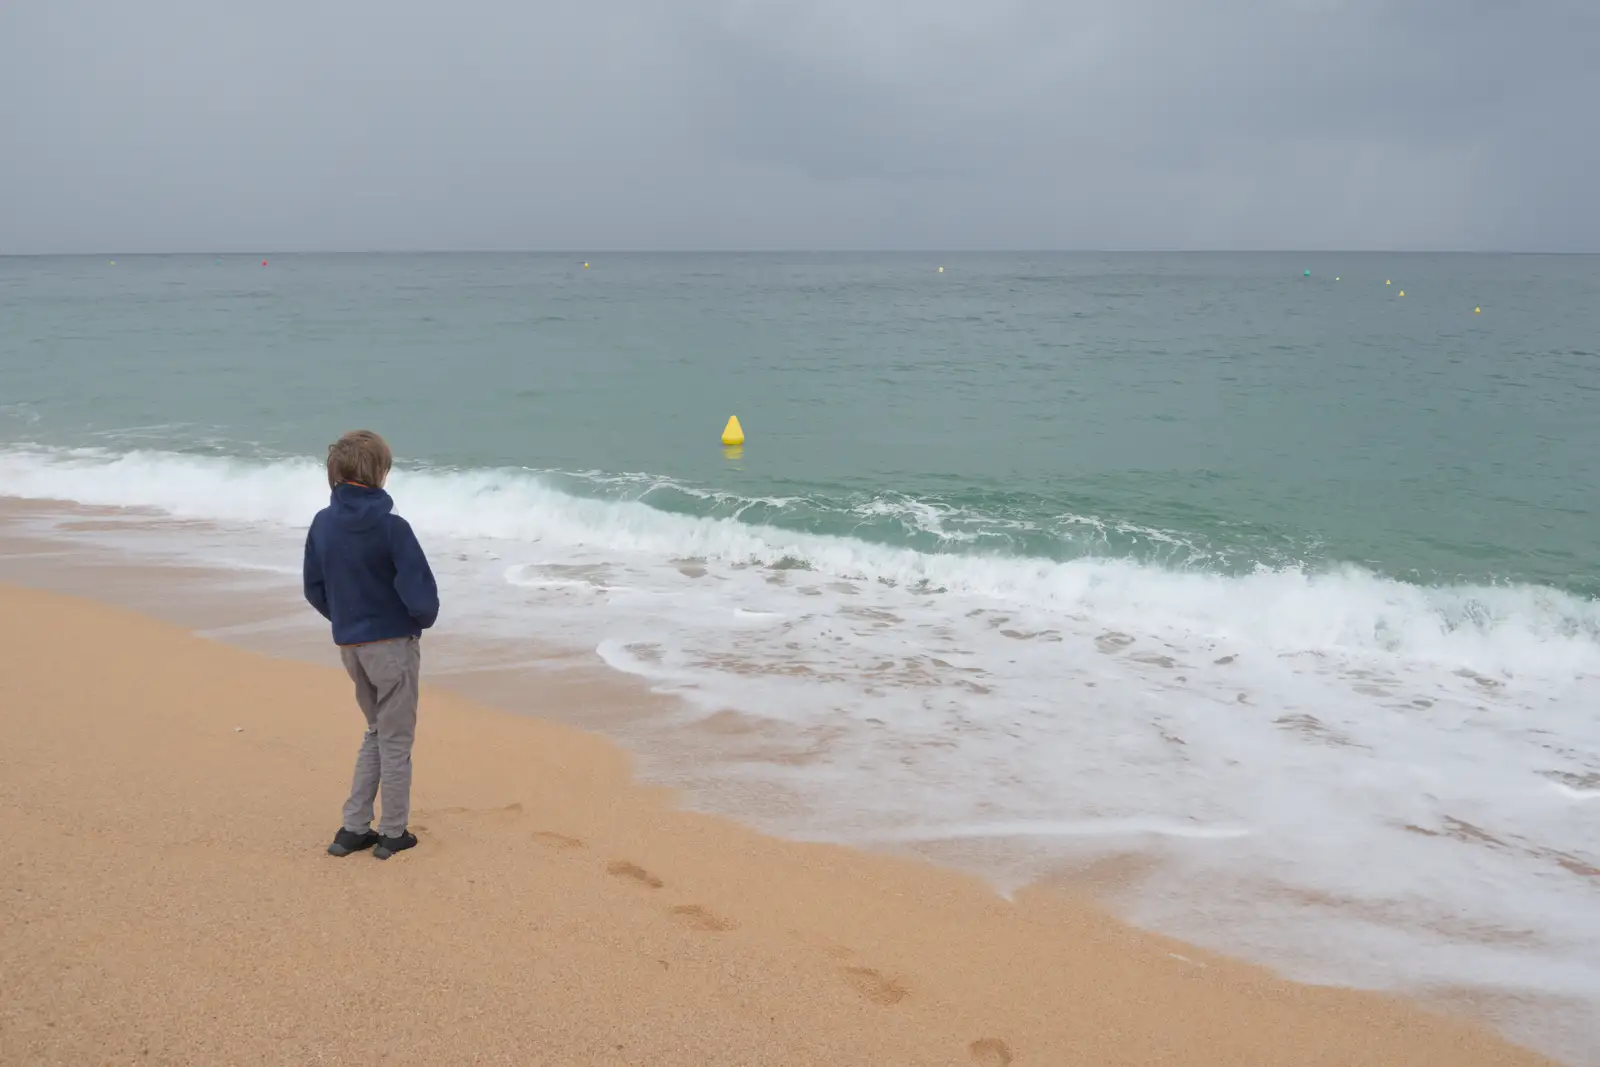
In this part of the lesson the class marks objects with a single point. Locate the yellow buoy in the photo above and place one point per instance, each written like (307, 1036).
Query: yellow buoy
(1402, 292)
(1477, 311)
(733, 433)
(586, 266)
(941, 270)
(1386, 281)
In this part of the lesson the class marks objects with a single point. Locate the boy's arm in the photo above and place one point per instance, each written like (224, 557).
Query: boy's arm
(413, 579)
(316, 588)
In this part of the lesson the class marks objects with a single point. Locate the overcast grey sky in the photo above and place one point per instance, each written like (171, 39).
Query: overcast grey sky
(171, 125)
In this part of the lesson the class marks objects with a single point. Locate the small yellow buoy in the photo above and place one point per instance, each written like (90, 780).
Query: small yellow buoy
(1402, 292)
(586, 266)
(733, 433)
(1477, 311)
(1386, 281)
(941, 270)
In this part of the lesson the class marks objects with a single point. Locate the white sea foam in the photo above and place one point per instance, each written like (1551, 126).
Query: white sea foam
(1499, 630)
(1123, 828)
(1372, 780)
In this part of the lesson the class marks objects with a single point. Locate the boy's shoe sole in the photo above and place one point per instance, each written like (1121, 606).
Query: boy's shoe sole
(346, 842)
(388, 846)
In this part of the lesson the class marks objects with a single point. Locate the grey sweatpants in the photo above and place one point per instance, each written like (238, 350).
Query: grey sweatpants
(386, 675)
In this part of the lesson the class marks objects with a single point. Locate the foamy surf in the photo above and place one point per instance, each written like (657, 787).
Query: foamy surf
(1333, 767)
(1498, 630)
(1054, 828)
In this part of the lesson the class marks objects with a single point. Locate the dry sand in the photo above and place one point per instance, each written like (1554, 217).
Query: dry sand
(166, 899)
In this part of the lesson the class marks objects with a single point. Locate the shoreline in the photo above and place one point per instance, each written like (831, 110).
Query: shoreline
(170, 898)
(126, 559)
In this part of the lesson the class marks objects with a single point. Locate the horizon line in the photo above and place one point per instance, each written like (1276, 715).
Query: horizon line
(805, 251)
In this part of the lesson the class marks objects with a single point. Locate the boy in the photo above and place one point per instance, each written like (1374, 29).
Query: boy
(366, 574)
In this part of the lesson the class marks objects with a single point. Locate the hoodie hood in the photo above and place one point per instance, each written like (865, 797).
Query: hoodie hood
(358, 507)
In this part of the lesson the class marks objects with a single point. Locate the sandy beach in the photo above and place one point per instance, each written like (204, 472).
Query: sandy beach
(167, 900)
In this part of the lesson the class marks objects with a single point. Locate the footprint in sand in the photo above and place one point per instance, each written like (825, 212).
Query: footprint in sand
(698, 918)
(555, 840)
(832, 948)
(634, 873)
(874, 986)
(514, 808)
(990, 1052)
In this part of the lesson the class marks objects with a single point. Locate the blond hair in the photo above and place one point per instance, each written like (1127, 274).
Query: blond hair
(359, 456)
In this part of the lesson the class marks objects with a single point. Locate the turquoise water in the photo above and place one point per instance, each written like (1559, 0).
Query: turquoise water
(1048, 405)
(1287, 581)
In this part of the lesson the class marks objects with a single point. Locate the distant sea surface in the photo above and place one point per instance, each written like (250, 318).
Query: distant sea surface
(1288, 579)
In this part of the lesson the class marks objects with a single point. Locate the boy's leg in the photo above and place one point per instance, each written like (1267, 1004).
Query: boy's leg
(364, 783)
(395, 667)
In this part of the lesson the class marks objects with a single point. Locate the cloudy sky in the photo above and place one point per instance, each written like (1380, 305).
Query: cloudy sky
(169, 125)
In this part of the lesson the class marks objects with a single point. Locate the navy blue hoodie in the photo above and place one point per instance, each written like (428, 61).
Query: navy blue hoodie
(365, 571)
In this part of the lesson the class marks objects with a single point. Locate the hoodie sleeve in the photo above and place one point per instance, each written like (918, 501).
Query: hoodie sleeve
(316, 588)
(413, 579)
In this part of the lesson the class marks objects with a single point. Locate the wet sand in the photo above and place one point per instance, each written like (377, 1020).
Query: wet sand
(167, 899)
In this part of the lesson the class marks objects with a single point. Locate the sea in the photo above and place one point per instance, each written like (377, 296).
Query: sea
(1264, 582)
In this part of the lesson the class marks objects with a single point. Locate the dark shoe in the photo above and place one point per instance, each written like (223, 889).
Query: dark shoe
(348, 841)
(388, 846)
